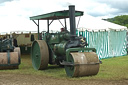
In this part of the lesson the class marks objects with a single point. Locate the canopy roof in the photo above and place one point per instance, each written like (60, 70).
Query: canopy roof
(55, 15)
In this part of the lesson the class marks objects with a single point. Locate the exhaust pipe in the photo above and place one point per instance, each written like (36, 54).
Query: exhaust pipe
(72, 21)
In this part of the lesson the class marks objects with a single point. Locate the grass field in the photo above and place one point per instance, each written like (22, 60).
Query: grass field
(110, 69)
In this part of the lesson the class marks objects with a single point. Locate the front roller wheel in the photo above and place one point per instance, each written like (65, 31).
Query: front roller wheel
(39, 55)
(84, 64)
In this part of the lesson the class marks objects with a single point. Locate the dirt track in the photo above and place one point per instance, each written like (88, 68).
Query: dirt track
(21, 79)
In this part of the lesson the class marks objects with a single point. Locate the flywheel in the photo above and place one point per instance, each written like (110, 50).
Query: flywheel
(83, 64)
(40, 55)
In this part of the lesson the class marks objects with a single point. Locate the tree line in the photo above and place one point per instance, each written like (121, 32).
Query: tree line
(121, 20)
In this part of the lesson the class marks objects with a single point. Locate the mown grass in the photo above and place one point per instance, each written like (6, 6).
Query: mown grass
(110, 69)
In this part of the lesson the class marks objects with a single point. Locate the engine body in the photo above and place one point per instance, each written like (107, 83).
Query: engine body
(59, 42)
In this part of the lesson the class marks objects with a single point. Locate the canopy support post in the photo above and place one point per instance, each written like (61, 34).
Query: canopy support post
(48, 25)
(37, 28)
(65, 24)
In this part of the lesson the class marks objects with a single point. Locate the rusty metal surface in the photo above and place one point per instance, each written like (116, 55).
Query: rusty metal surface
(84, 62)
(13, 58)
(44, 54)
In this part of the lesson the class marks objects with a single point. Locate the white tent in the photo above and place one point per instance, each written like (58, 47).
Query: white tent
(108, 38)
(91, 23)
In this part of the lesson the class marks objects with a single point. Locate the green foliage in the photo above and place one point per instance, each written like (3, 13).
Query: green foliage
(121, 20)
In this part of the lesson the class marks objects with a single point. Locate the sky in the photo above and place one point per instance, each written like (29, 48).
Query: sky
(14, 14)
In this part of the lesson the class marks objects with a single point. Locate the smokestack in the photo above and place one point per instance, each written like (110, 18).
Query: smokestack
(72, 21)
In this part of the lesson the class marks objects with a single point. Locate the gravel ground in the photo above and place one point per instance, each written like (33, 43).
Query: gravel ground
(22, 79)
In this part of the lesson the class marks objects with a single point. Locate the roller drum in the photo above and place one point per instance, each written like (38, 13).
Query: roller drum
(85, 64)
(11, 62)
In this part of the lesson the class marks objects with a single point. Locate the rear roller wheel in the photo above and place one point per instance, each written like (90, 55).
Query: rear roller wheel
(39, 55)
(84, 64)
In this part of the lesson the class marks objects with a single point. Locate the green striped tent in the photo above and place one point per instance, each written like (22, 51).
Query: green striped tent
(108, 43)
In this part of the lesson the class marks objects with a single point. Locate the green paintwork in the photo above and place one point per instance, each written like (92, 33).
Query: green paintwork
(55, 15)
(36, 61)
(8, 56)
(53, 38)
(60, 48)
(70, 69)
(56, 43)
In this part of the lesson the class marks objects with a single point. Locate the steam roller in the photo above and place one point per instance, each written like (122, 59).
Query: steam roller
(64, 48)
(9, 54)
